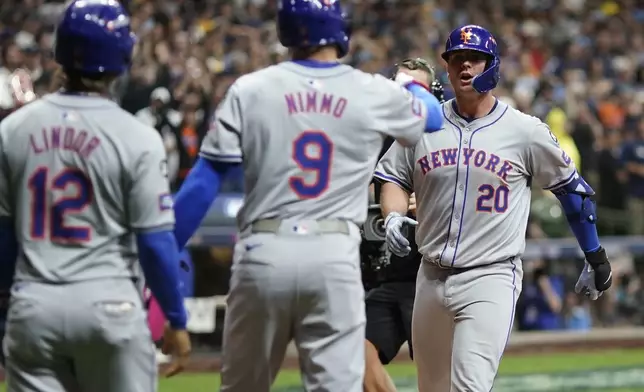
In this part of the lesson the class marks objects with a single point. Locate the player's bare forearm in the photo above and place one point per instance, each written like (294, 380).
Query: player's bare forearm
(393, 198)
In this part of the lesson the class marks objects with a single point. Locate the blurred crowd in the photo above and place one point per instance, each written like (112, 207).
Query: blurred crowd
(576, 64)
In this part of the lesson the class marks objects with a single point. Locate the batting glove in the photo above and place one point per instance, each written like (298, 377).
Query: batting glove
(394, 237)
(596, 277)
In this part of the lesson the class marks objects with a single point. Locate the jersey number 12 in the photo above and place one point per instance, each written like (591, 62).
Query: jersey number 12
(48, 218)
(313, 153)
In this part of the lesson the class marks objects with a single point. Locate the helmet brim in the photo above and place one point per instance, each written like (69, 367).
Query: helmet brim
(462, 48)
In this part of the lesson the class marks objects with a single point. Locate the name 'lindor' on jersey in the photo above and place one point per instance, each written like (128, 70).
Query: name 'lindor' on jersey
(64, 138)
(469, 156)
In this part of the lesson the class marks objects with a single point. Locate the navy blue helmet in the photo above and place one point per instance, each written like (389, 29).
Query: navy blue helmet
(476, 38)
(94, 37)
(311, 23)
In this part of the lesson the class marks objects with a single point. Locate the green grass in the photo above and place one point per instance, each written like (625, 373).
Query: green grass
(510, 366)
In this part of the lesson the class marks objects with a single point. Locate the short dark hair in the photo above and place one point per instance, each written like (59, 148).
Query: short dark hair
(88, 82)
(418, 63)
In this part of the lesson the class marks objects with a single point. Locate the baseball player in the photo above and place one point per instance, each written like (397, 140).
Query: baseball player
(82, 186)
(472, 183)
(390, 303)
(309, 132)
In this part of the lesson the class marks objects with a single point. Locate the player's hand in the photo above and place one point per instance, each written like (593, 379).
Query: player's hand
(176, 343)
(394, 237)
(596, 277)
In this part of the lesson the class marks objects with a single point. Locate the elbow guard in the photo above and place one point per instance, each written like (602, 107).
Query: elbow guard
(575, 197)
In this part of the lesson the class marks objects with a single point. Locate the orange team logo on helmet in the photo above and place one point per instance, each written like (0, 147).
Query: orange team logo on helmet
(466, 35)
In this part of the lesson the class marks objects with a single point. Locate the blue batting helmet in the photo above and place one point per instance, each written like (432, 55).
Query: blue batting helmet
(310, 23)
(476, 38)
(93, 36)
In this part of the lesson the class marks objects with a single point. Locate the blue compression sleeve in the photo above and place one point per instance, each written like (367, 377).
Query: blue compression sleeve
(195, 197)
(160, 262)
(8, 253)
(584, 231)
(434, 115)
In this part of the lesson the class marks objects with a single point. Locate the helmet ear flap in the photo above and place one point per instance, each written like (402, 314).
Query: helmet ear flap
(488, 80)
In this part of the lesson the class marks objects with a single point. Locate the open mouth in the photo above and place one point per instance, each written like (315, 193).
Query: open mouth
(466, 77)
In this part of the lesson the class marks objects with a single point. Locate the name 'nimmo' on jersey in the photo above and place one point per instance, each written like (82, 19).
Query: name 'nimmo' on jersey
(315, 102)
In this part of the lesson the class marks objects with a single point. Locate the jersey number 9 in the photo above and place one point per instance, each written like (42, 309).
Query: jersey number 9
(49, 216)
(313, 153)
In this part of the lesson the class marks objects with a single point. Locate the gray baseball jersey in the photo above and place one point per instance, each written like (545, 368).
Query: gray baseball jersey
(79, 176)
(472, 182)
(309, 138)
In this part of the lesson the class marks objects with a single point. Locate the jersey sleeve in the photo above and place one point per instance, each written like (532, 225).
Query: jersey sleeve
(548, 163)
(223, 141)
(5, 199)
(397, 166)
(150, 201)
(396, 112)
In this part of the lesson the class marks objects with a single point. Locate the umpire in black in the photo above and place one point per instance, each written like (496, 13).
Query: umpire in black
(391, 280)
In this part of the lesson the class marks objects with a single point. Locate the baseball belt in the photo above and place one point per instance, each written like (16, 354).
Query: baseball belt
(304, 227)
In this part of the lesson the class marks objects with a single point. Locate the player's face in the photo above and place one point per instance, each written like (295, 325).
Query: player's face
(462, 67)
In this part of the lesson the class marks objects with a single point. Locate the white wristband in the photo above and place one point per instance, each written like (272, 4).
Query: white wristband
(403, 79)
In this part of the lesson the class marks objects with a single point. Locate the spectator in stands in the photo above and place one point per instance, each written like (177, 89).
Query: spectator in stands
(541, 303)
(12, 59)
(577, 313)
(159, 116)
(559, 125)
(612, 181)
(585, 132)
(154, 114)
(633, 159)
(190, 128)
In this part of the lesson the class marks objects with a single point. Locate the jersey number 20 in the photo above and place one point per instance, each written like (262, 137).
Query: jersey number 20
(48, 218)
(313, 153)
(492, 198)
